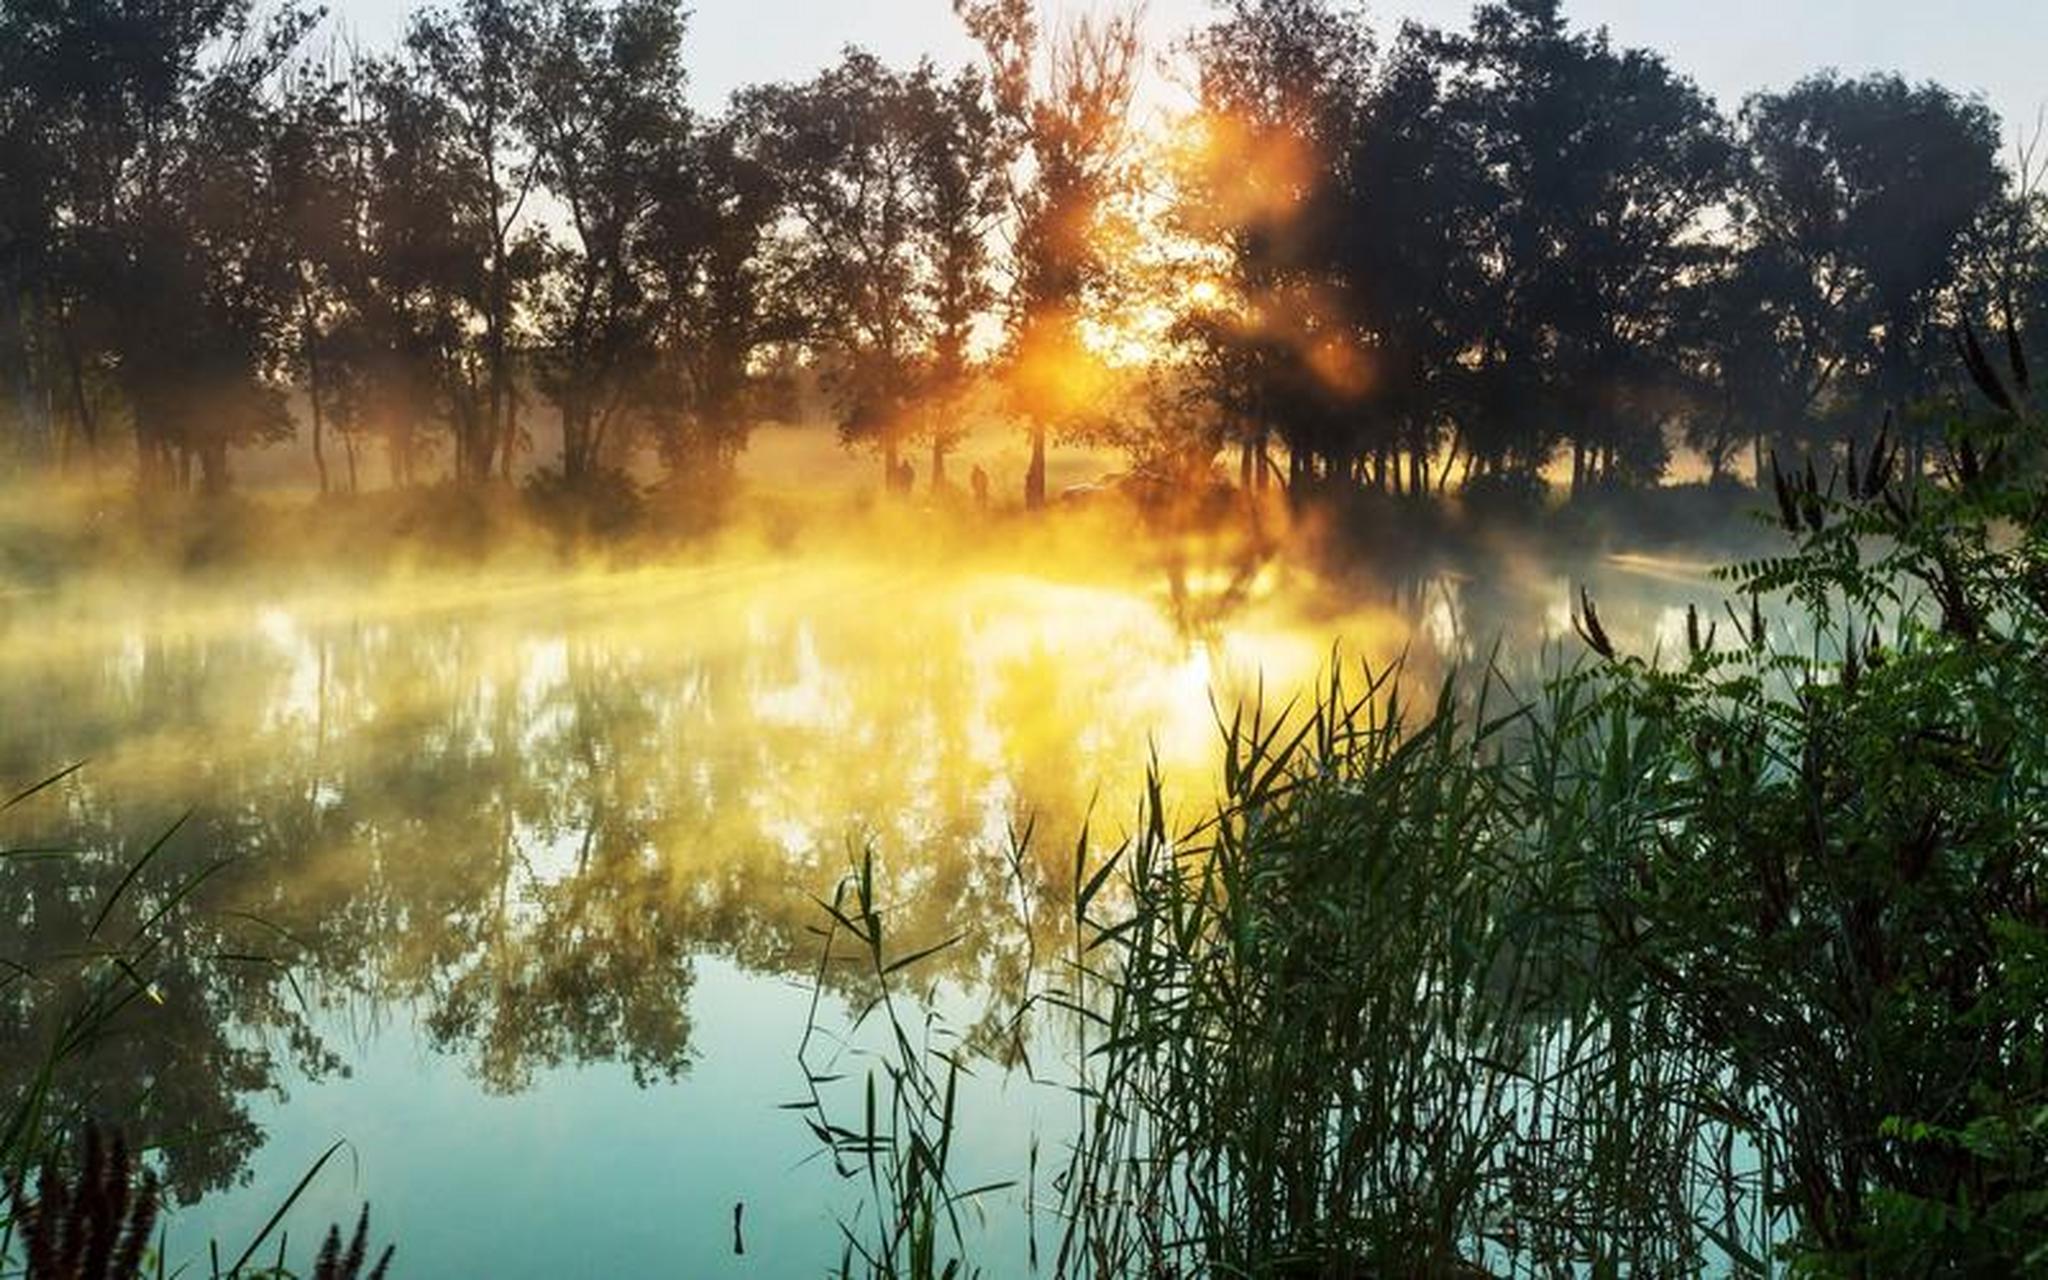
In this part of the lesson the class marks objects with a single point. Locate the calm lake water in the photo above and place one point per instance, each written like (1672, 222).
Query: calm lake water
(519, 867)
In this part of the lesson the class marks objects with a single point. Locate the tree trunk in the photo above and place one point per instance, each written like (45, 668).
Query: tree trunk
(319, 446)
(576, 442)
(1034, 475)
(33, 417)
(213, 468)
(88, 423)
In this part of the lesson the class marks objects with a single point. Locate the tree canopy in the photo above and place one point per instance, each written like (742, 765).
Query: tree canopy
(1501, 255)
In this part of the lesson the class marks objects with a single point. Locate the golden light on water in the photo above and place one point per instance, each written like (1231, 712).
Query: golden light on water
(752, 708)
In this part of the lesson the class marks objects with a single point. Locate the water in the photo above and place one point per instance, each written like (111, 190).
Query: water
(519, 868)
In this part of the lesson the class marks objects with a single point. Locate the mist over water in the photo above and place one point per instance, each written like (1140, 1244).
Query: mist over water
(513, 871)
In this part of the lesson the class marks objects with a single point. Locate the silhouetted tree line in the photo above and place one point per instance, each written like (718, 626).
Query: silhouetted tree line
(1485, 251)
(1448, 257)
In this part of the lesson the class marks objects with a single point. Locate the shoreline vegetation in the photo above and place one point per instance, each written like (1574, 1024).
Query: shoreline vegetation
(511, 251)
(52, 538)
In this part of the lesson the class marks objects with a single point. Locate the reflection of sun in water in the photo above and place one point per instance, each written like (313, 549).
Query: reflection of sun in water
(1185, 731)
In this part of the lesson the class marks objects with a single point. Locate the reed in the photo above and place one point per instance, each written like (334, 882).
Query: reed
(1728, 961)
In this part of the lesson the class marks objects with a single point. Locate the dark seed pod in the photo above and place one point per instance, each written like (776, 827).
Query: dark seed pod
(1980, 369)
(1881, 453)
(1788, 510)
(1586, 621)
(94, 1227)
(334, 1264)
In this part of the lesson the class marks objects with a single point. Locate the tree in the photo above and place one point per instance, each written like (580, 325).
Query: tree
(604, 118)
(311, 164)
(146, 251)
(724, 301)
(1064, 101)
(846, 148)
(1280, 86)
(891, 182)
(961, 164)
(30, 173)
(473, 65)
(1603, 167)
(1854, 204)
(1409, 255)
(414, 283)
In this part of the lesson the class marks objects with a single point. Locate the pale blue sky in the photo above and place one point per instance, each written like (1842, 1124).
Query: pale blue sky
(1996, 47)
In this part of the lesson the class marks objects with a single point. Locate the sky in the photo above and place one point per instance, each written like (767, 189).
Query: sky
(1998, 48)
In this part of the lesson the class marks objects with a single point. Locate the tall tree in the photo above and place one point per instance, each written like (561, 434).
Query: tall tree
(1604, 167)
(1408, 219)
(1065, 98)
(147, 251)
(604, 118)
(845, 148)
(420, 271)
(312, 170)
(1855, 202)
(474, 62)
(726, 302)
(1280, 85)
(891, 184)
(961, 166)
(30, 175)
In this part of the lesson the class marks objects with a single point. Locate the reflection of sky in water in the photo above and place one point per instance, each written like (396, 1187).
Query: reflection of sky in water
(532, 838)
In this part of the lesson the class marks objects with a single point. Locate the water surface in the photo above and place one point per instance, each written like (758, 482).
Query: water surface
(517, 869)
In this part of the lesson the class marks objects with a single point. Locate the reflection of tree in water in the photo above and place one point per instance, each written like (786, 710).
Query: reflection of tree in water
(527, 840)
(526, 820)
(175, 1068)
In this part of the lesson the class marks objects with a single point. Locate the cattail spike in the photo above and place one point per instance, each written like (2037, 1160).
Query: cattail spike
(1880, 474)
(1586, 621)
(1980, 369)
(1788, 512)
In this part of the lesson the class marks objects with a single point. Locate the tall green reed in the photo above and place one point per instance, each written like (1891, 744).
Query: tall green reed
(1729, 960)
(909, 1226)
(1359, 1020)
